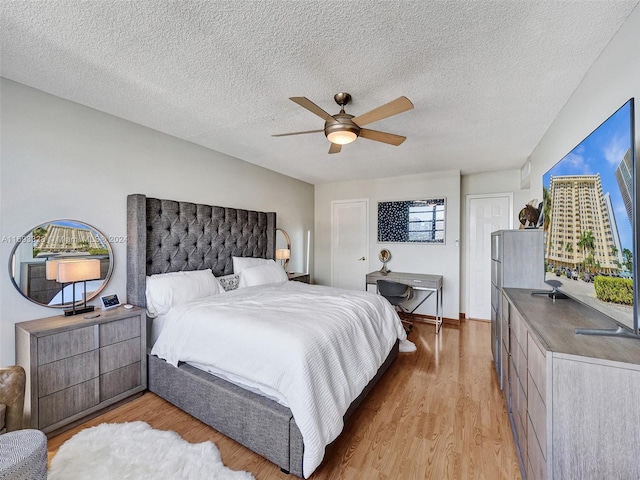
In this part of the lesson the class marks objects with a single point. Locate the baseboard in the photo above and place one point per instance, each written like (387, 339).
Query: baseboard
(463, 316)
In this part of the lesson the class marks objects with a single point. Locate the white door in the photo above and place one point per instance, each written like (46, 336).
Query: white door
(349, 243)
(486, 214)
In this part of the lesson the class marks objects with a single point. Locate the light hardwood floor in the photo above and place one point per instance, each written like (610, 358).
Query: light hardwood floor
(437, 414)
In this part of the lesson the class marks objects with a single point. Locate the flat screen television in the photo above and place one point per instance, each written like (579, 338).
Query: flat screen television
(589, 216)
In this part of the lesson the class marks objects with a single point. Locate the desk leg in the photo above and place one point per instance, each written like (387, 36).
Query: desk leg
(439, 310)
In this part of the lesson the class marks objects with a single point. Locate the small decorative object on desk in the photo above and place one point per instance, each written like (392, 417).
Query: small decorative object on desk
(384, 256)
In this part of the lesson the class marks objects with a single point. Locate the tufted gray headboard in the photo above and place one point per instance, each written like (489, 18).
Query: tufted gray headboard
(168, 236)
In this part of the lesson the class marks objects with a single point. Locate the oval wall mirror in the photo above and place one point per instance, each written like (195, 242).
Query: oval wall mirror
(34, 260)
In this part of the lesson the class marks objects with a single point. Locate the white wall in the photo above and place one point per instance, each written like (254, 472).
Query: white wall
(433, 259)
(612, 80)
(506, 181)
(62, 160)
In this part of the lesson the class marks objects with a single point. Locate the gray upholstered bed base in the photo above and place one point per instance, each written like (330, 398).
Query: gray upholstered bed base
(260, 424)
(167, 236)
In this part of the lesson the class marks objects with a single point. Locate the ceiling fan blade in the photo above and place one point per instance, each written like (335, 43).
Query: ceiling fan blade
(335, 148)
(384, 137)
(399, 105)
(296, 133)
(312, 107)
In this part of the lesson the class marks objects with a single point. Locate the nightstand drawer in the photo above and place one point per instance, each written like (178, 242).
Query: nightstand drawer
(119, 330)
(66, 344)
(119, 381)
(299, 277)
(67, 372)
(119, 355)
(65, 403)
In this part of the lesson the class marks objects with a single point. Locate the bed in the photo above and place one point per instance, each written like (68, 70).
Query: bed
(166, 236)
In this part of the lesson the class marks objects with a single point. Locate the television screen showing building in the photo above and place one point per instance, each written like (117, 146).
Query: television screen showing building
(580, 234)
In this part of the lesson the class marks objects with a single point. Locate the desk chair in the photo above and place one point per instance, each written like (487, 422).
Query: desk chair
(398, 294)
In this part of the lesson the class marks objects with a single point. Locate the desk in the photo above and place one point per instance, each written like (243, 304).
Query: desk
(429, 283)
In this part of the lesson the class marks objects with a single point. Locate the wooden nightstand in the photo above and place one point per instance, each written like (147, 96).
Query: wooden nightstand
(77, 366)
(299, 277)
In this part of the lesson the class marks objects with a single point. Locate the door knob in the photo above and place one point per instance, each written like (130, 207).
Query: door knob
(362, 259)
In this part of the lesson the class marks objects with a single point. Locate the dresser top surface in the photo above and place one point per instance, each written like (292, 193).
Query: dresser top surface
(58, 323)
(554, 322)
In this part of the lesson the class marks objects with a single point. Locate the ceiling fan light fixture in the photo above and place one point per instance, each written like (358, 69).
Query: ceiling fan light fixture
(342, 130)
(342, 137)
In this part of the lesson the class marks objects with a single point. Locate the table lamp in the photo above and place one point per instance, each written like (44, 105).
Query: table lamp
(74, 271)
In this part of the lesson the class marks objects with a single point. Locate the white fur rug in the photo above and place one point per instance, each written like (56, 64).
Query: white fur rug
(135, 451)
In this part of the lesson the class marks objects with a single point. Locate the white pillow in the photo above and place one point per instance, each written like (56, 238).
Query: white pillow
(262, 274)
(166, 290)
(240, 263)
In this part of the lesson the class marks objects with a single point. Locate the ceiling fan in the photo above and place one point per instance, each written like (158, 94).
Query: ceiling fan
(343, 128)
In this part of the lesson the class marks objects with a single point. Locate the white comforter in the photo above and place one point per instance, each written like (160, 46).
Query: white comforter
(317, 346)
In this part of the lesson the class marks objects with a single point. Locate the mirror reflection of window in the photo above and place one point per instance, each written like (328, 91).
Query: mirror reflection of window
(426, 221)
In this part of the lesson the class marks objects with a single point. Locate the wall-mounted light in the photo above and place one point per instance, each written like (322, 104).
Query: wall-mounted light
(284, 254)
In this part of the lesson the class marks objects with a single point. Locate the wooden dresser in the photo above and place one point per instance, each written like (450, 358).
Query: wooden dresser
(77, 366)
(572, 399)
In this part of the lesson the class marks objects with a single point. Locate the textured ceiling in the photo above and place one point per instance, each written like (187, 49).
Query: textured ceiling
(486, 78)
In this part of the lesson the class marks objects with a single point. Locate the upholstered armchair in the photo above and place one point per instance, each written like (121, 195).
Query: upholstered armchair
(12, 384)
(23, 453)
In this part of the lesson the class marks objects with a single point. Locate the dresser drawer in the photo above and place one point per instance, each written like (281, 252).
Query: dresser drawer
(538, 416)
(119, 330)
(65, 403)
(119, 381)
(67, 372)
(520, 361)
(521, 438)
(521, 401)
(119, 355)
(504, 372)
(66, 344)
(504, 326)
(519, 328)
(537, 466)
(537, 365)
(495, 295)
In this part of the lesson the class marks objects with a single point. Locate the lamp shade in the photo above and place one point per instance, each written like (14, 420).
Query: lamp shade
(78, 271)
(283, 254)
(51, 267)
